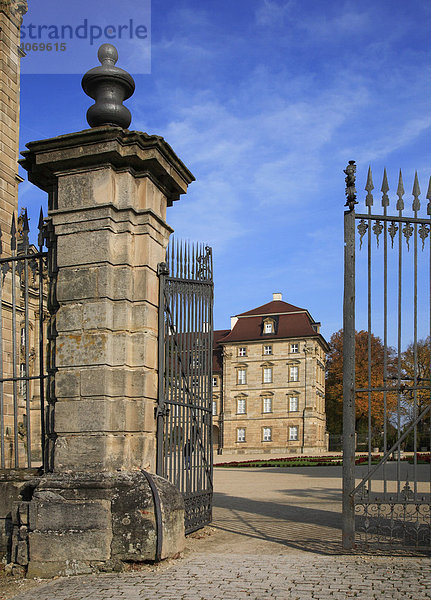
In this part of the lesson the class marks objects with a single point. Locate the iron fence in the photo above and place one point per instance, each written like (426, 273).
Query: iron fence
(390, 494)
(23, 320)
(184, 413)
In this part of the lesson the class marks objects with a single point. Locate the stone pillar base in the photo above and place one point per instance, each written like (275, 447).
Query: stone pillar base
(11, 483)
(82, 523)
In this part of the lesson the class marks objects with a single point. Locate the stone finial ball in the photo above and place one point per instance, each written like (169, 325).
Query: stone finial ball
(107, 54)
(109, 86)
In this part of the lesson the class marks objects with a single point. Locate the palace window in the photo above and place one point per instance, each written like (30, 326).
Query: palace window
(294, 374)
(267, 375)
(268, 327)
(242, 351)
(215, 381)
(241, 376)
(240, 434)
(214, 408)
(266, 434)
(294, 348)
(267, 405)
(240, 406)
(293, 433)
(267, 350)
(293, 404)
(22, 383)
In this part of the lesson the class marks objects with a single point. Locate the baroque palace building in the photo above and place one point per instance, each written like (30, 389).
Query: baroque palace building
(269, 382)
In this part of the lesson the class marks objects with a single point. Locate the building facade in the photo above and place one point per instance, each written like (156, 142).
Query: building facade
(11, 13)
(269, 382)
(19, 334)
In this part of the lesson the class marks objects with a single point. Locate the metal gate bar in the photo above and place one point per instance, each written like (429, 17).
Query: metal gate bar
(184, 415)
(394, 512)
(22, 375)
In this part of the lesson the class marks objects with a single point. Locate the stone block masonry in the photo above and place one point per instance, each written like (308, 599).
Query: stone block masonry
(109, 190)
(11, 13)
(108, 193)
(77, 524)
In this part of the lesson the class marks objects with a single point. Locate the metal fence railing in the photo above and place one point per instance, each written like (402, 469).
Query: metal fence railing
(23, 317)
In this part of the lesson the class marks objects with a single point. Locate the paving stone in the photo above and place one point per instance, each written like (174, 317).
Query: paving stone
(230, 577)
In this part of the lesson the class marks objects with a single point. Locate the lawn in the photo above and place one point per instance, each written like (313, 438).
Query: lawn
(313, 461)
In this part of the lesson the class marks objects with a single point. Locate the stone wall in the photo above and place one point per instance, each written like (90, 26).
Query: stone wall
(10, 20)
(80, 524)
(108, 193)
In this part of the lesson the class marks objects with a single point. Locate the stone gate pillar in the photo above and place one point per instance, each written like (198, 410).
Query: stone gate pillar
(109, 189)
(108, 193)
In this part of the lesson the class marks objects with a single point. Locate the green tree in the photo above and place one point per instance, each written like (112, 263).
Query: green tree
(413, 404)
(334, 382)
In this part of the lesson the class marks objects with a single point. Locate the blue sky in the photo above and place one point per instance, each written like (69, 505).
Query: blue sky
(266, 101)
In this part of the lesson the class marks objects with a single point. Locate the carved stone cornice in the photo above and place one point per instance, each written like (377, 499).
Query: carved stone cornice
(14, 8)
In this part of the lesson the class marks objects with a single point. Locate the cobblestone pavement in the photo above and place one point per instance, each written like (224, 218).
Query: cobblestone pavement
(237, 577)
(276, 534)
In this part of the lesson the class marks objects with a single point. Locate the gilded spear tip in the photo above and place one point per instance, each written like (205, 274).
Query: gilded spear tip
(400, 192)
(40, 237)
(385, 189)
(429, 198)
(400, 189)
(416, 193)
(13, 234)
(369, 187)
(25, 226)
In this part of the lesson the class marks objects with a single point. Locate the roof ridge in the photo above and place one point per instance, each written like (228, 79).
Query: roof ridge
(269, 314)
(272, 307)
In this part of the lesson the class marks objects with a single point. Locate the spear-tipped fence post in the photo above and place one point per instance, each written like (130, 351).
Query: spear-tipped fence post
(349, 360)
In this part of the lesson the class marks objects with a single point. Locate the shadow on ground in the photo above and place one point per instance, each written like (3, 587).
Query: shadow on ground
(286, 525)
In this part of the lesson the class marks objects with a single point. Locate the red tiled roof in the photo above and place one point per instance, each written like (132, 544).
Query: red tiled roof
(217, 350)
(288, 326)
(272, 308)
(218, 334)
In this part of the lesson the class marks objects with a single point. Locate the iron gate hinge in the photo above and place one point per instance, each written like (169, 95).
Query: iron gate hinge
(162, 269)
(161, 411)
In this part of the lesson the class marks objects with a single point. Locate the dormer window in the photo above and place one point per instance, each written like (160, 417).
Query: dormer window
(269, 325)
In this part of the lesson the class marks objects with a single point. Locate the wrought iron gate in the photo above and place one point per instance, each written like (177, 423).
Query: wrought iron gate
(390, 495)
(184, 415)
(24, 312)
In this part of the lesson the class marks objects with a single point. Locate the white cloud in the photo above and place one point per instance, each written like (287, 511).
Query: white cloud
(349, 20)
(395, 137)
(271, 12)
(268, 154)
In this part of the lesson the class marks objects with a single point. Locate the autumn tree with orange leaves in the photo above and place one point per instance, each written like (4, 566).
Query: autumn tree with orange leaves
(414, 404)
(334, 382)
